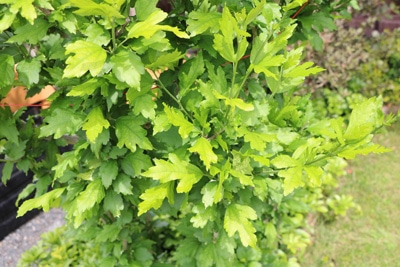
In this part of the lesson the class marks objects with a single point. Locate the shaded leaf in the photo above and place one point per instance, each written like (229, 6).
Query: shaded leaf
(130, 133)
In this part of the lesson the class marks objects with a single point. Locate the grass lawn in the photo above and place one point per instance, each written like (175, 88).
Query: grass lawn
(372, 238)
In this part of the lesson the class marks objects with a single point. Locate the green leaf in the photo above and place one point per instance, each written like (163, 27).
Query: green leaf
(130, 133)
(165, 60)
(200, 22)
(293, 4)
(65, 161)
(223, 43)
(203, 147)
(6, 172)
(7, 20)
(365, 117)
(145, 8)
(94, 193)
(45, 201)
(97, 34)
(31, 34)
(122, 185)
(258, 141)
(237, 220)
(285, 161)
(209, 191)
(108, 171)
(293, 179)
(243, 178)
(7, 70)
(202, 216)
(108, 233)
(303, 70)
(187, 174)
(87, 56)
(86, 88)
(319, 20)
(314, 175)
(9, 130)
(127, 67)
(60, 122)
(28, 72)
(144, 105)
(134, 163)
(154, 197)
(352, 151)
(114, 203)
(176, 118)
(95, 124)
(149, 27)
(90, 8)
(189, 72)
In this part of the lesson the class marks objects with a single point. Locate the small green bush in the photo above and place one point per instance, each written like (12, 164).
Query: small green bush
(191, 146)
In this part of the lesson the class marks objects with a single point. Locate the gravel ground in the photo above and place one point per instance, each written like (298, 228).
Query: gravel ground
(27, 235)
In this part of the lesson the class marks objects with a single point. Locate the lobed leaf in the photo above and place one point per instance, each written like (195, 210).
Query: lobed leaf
(237, 219)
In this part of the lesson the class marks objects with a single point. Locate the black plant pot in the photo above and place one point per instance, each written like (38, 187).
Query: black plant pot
(8, 196)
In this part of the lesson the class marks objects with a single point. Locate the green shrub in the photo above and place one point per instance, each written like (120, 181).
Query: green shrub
(190, 146)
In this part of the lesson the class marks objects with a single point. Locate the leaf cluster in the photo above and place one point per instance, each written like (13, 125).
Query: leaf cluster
(190, 146)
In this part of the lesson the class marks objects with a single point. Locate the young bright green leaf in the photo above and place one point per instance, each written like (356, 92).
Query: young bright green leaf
(95, 124)
(7, 20)
(223, 42)
(94, 193)
(285, 161)
(200, 22)
(209, 191)
(65, 161)
(108, 171)
(149, 27)
(30, 33)
(7, 70)
(203, 147)
(243, 178)
(28, 72)
(203, 215)
(237, 219)
(165, 60)
(87, 57)
(258, 141)
(314, 175)
(130, 133)
(46, 201)
(352, 151)
(154, 197)
(293, 4)
(24, 7)
(91, 8)
(122, 184)
(61, 121)
(293, 179)
(176, 118)
(302, 70)
(97, 34)
(86, 88)
(187, 174)
(364, 118)
(127, 67)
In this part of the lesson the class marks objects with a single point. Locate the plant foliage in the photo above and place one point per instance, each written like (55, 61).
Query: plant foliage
(189, 144)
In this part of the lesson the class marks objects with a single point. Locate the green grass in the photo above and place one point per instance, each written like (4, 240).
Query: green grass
(371, 239)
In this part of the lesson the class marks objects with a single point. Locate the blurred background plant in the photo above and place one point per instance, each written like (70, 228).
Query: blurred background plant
(361, 58)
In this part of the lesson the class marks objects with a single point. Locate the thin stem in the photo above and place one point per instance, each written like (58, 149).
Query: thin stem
(162, 86)
(114, 40)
